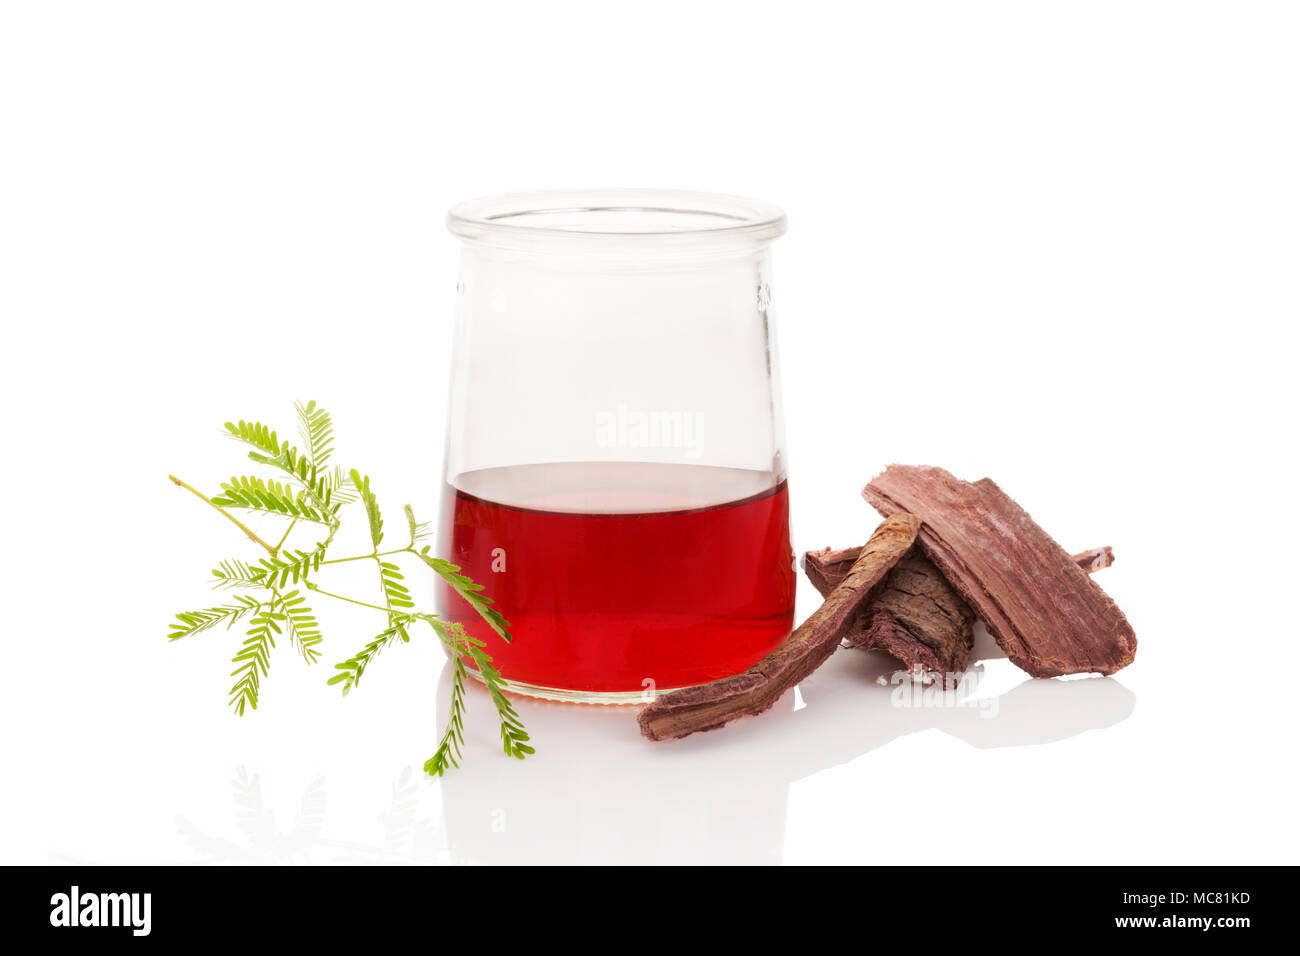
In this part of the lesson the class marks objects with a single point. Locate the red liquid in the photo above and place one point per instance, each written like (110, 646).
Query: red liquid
(614, 574)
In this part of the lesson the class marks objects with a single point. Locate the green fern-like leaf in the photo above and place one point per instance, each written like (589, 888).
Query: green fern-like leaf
(291, 565)
(419, 529)
(195, 622)
(268, 449)
(396, 594)
(273, 497)
(372, 507)
(301, 623)
(448, 754)
(352, 669)
(462, 644)
(234, 573)
(467, 589)
(328, 490)
(335, 487)
(256, 434)
(514, 739)
(310, 488)
(317, 432)
(324, 487)
(253, 662)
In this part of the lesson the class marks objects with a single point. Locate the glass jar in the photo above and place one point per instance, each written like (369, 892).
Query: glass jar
(615, 461)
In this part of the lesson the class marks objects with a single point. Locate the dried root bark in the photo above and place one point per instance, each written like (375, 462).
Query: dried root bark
(1047, 614)
(916, 615)
(918, 619)
(712, 705)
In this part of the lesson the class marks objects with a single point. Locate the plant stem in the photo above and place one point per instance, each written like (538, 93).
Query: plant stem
(237, 523)
(285, 538)
(363, 557)
(320, 590)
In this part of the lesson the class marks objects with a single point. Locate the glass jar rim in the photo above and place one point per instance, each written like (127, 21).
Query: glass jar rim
(638, 216)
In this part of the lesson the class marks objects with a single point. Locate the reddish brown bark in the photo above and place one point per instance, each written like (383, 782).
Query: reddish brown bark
(1047, 614)
(915, 615)
(712, 705)
(919, 619)
(827, 567)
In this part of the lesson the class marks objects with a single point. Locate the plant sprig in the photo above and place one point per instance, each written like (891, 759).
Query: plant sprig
(309, 492)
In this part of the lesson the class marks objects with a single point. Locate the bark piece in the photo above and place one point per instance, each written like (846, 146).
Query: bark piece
(1047, 614)
(712, 705)
(919, 619)
(916, 615)
(827, 567)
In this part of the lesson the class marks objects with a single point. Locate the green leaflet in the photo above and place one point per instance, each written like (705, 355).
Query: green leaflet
(257, 435)
(371, 505)
(259, 494)
(391, 579)
(356, 665)
(467, 589)
(194, 622)
(514, 738)
(447, 755)
(317, 432)
(234, 573)
(419, 529)
(292, 565)
(269, 450)
(253, 662)
(301, 622)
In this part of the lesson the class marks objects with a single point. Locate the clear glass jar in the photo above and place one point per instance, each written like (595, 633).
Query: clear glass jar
(615, 462)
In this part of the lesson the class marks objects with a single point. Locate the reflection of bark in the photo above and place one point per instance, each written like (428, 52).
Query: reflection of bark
(595, 792)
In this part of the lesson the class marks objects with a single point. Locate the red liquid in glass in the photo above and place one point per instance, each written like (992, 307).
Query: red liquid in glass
(614, 574)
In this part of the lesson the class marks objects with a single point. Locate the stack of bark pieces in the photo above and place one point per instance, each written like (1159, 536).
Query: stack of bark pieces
(948, 551)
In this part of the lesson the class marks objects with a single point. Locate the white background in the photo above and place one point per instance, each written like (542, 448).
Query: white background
(1055, 244)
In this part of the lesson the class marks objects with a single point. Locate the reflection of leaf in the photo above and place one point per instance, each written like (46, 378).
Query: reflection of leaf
(399, 821)
(251, 813)
(214, 848)
(407, 836)
(311, 817)
(258, 825)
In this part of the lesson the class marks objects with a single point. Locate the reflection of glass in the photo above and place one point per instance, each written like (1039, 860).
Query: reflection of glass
(602, 796)
(615, 448)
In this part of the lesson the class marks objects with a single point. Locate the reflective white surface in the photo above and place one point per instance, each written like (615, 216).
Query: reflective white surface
(848, 769)
(853, 767)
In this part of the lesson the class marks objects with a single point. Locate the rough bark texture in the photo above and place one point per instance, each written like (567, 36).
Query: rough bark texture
(712, 705)
(827, 567)
(1047, 614)
(915, 615)
(919, 619)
